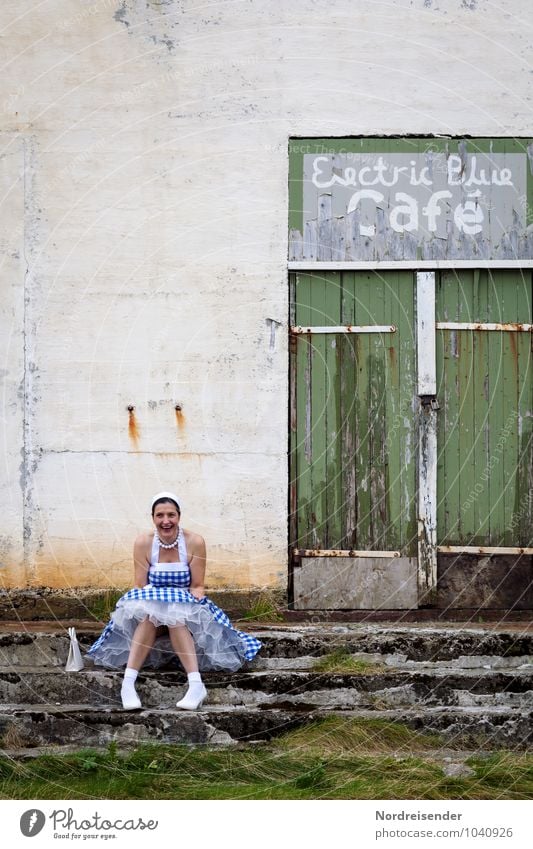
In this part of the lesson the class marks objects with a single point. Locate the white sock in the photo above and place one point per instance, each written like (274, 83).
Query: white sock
(128, 693)
(196, 685)
(131, 673)
(128, 685)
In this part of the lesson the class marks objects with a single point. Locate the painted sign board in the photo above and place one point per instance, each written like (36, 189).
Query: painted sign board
(410, 199)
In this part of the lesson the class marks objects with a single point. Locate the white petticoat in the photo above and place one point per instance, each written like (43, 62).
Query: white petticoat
(218, 644)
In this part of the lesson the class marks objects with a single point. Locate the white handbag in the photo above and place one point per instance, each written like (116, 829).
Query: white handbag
(75, 660)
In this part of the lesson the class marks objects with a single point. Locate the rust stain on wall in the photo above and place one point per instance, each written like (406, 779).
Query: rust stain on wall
(180, 418)
(134, 432)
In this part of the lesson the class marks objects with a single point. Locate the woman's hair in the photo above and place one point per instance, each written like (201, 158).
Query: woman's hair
(164, 500)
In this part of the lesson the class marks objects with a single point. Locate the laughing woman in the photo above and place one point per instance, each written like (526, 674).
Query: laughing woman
(170, 592)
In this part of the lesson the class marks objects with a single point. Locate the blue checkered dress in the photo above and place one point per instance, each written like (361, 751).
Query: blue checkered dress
(166, 600)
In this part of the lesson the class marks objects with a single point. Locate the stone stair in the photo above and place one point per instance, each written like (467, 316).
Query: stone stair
(473, 686)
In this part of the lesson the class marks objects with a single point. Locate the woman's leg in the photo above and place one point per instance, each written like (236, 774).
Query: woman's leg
(183, 645)
(141, 643)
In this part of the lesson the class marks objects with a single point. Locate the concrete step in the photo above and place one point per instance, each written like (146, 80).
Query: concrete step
(475, 664)
(393, 687)
(415, 644)
(296, 642)
(472, 684)
(28, 726)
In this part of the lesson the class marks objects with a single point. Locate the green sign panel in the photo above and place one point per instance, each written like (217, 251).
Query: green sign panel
(411, 199)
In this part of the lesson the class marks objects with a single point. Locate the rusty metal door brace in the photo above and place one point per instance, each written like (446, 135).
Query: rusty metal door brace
(348, 328)
(336, 552)
(457, 325)
(482, 549)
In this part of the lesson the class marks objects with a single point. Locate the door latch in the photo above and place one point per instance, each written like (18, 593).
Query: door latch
(430, 401)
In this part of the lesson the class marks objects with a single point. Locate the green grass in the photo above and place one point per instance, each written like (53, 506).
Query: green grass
(339, 737)
(263, 609)
(337, 758)
(343, 662)
(102, 605)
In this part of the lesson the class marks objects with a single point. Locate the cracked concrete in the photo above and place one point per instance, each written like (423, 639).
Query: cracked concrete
(460, 697)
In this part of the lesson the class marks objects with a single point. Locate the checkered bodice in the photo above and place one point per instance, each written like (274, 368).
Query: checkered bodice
(169, 574)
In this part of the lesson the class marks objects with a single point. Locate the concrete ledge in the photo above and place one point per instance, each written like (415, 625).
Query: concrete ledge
(44, 603)
(468, 615)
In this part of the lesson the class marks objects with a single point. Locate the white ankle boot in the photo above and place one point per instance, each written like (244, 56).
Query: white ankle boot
(131, 702)
(194, 697)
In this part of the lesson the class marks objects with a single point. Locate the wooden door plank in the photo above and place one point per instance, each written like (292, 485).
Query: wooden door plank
(348, 401)
(427, 456)
(333, 416)
(318, 414)
(303, 445)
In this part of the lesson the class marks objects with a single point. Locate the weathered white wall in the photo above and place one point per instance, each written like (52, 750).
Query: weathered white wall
(144, 214)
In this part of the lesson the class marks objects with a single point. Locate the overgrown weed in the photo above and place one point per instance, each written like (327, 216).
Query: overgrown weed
(101, 606)
(337, 758)
(263, 609)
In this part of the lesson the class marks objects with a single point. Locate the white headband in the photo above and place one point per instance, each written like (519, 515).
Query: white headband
(165, 495)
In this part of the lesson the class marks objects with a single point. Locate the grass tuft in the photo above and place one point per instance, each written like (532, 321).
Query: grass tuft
(102, 606)
(12, 739)
(263, 609)
(338, 736)
(341, 661)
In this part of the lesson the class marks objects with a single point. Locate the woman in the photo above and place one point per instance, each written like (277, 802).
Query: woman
(169, 568)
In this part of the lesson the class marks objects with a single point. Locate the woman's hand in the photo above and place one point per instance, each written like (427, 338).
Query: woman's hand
(197, 592)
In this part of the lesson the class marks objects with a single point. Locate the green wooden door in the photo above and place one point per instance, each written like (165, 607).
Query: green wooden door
(485, 420)
(353, 439)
